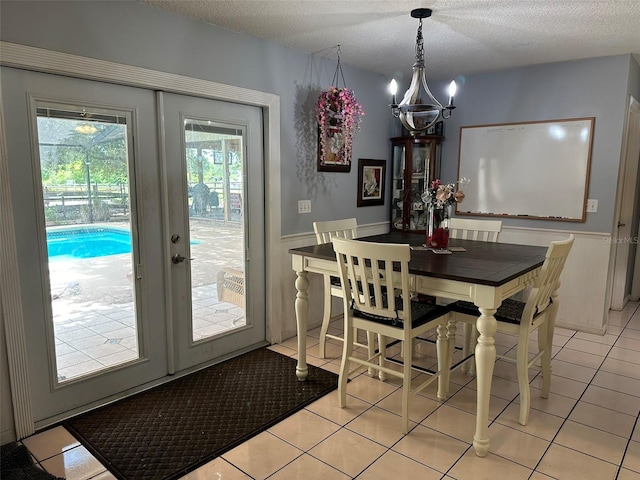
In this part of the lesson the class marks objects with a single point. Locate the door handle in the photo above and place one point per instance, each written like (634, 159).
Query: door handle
(177, 258)
(620, 224)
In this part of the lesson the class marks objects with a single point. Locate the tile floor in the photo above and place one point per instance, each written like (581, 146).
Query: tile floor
(587, 429)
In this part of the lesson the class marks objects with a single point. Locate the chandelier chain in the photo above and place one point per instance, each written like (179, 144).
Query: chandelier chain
(419, 44)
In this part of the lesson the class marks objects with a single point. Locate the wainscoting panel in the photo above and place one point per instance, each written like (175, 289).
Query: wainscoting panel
(583, 291)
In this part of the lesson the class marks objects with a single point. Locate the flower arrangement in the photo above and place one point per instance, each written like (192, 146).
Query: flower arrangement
(438, 198)
(339, 117)
(441, 195)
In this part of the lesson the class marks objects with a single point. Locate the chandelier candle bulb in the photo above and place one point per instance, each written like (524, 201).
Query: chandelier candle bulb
(452, 92)
(393, 89)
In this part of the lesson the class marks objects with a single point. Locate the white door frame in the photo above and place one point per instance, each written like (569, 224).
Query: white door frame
(635, 285)
(628, 178)
(47, 61)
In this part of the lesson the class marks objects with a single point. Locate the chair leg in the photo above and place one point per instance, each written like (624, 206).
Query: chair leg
(406, 385)
(347, 351)
(382, 359)
(402, 347)
(445, 344)
(467, 346)
(473, 341)
(522, 364)
(546, 331)
(326, 316)
(371, 350)
(545, 345)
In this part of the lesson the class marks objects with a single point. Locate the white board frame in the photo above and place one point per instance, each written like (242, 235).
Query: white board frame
(529, 170)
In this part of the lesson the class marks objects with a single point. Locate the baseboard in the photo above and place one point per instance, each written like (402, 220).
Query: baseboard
(7, 436)
(582, 328)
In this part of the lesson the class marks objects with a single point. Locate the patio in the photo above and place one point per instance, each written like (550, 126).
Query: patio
(93, 306)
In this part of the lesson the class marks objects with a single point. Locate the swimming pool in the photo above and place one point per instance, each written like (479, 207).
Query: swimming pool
(88, 242)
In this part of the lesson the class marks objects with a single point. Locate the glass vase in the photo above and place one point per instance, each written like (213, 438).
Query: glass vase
(438, 227)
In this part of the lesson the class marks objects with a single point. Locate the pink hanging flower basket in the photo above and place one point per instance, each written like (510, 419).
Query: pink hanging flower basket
(339, 117)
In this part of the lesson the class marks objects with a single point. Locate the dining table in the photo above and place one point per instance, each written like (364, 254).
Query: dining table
(484, 273)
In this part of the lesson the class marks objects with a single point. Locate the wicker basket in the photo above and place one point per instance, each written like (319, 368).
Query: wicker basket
(230, 282)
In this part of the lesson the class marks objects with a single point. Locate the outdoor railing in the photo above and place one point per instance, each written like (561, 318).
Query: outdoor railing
(71, 203)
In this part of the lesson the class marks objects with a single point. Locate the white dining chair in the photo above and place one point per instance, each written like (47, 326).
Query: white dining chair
(522, 318)
(483, 231)
(325, 232)
(472, 229)
(368, 272)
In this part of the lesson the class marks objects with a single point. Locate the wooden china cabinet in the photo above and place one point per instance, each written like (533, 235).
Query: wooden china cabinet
(415, 162)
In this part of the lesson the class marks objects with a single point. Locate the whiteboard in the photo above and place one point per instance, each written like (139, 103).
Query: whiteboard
(527, 170)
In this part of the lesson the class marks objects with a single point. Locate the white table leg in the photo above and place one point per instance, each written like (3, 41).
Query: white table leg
(302, 318)
(485, 361)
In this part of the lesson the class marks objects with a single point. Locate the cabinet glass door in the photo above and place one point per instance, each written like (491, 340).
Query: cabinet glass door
(397, 198)
(415, 165)
(419, 182)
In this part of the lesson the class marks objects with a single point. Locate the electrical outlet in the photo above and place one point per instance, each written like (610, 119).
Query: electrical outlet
(304, 206)
(592, 205)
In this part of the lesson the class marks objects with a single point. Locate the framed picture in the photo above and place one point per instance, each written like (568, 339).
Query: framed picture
(371, 180)
(437, 129)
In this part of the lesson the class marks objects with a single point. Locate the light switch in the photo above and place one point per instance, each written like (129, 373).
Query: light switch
(304, 206)
(592, 205)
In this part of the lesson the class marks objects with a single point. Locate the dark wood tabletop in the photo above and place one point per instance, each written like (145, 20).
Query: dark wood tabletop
(484, 263)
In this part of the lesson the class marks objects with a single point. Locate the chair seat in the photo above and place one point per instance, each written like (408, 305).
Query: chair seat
(421, 313)
(509, 312)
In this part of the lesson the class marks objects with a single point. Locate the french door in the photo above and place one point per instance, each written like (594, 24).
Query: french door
(107, 220)
(215, 186)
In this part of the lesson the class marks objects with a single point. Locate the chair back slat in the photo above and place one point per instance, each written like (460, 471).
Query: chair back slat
(327, 231)
(548, 281)
(373, 271)
(470, 229)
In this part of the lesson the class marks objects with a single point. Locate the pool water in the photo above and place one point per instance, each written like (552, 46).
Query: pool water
(88, 242)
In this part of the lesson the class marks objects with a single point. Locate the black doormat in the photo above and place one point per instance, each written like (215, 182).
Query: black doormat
(170, 430)
(16, 464)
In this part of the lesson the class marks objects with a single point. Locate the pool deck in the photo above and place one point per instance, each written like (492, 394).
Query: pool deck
(92, 300)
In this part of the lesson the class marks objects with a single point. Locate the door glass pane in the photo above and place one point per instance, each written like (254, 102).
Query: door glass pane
(84, 170)
(215, 170)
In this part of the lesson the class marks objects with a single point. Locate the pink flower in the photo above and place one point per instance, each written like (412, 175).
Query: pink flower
(441, 195)
(337, 109)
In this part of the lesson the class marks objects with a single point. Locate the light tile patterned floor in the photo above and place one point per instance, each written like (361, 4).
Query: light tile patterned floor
(587, 429)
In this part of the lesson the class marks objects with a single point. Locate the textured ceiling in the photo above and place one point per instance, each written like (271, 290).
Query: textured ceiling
(461, 37)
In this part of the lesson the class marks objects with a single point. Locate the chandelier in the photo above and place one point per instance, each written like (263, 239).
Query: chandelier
(419, 109)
